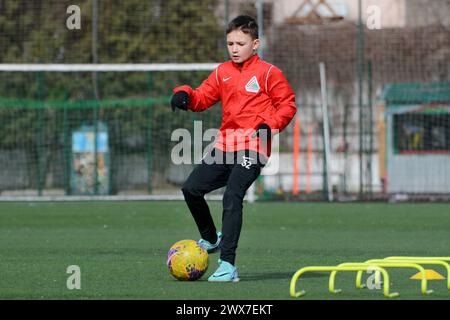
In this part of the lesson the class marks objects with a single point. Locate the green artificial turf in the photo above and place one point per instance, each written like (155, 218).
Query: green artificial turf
(121, 248)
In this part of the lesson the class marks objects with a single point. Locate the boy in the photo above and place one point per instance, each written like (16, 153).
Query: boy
(257, 102)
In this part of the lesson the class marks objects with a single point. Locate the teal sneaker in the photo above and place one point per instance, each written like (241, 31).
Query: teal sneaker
(208, 246)
(225, 273)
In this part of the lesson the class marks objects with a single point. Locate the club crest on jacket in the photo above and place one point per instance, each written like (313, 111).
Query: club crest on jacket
(252, 85)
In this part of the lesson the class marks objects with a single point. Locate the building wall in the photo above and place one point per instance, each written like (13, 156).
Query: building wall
(420, 13)
(424, 173)
(392, 11)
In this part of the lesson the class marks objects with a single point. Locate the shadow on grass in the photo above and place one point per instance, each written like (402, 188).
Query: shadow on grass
(261, 276)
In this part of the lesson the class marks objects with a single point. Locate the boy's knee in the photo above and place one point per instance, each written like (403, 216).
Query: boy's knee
(233, 195)
(190, 190)
(186, 189)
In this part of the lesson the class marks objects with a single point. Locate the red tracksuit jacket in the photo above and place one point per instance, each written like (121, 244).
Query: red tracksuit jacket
(252, 93)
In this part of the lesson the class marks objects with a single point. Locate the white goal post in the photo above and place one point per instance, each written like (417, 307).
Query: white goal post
(119, 67)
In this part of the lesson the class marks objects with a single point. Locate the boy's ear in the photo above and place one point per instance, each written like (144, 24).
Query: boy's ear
(256, 44)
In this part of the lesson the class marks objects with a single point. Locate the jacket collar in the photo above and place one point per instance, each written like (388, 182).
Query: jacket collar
(248, 63)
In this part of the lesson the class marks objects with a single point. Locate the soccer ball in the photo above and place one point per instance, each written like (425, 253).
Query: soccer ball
(187, 260)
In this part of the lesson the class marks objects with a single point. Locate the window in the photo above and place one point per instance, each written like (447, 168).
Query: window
(422, 133)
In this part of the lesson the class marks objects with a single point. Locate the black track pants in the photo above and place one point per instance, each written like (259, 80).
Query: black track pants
(237, 171)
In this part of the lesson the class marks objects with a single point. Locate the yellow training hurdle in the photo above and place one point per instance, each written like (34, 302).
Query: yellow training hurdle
(442, 261)
(377, 265)
(386, 264)
(361, 267)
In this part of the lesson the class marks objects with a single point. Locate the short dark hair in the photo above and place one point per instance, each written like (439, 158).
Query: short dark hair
(246, 24)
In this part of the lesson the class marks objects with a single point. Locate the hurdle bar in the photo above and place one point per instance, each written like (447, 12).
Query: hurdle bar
(446, 259)
(386, 264)
(442, 261)
(300, 272)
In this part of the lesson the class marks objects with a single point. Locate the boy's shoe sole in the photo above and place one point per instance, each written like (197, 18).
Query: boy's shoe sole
(223, 280)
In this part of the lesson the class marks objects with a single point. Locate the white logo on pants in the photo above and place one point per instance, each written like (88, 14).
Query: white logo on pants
(246, 162)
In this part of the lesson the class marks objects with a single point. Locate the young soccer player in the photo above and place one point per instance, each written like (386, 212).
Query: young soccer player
(257, 102)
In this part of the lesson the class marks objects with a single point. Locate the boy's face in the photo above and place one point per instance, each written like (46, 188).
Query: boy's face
(241, 46)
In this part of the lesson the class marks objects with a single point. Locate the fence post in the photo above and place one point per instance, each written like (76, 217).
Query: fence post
(66, 147)
(149, 137)
(96, 117)
(39, 134)
(326, 133)
(370, 106)
(360, 71)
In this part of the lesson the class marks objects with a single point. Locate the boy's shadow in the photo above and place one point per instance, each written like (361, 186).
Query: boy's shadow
(260, 276)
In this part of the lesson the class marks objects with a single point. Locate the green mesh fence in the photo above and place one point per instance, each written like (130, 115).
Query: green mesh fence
(48, 147)
(41, 111)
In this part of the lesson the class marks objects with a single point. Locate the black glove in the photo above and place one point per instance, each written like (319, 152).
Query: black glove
(263, 131)
(180, 100)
